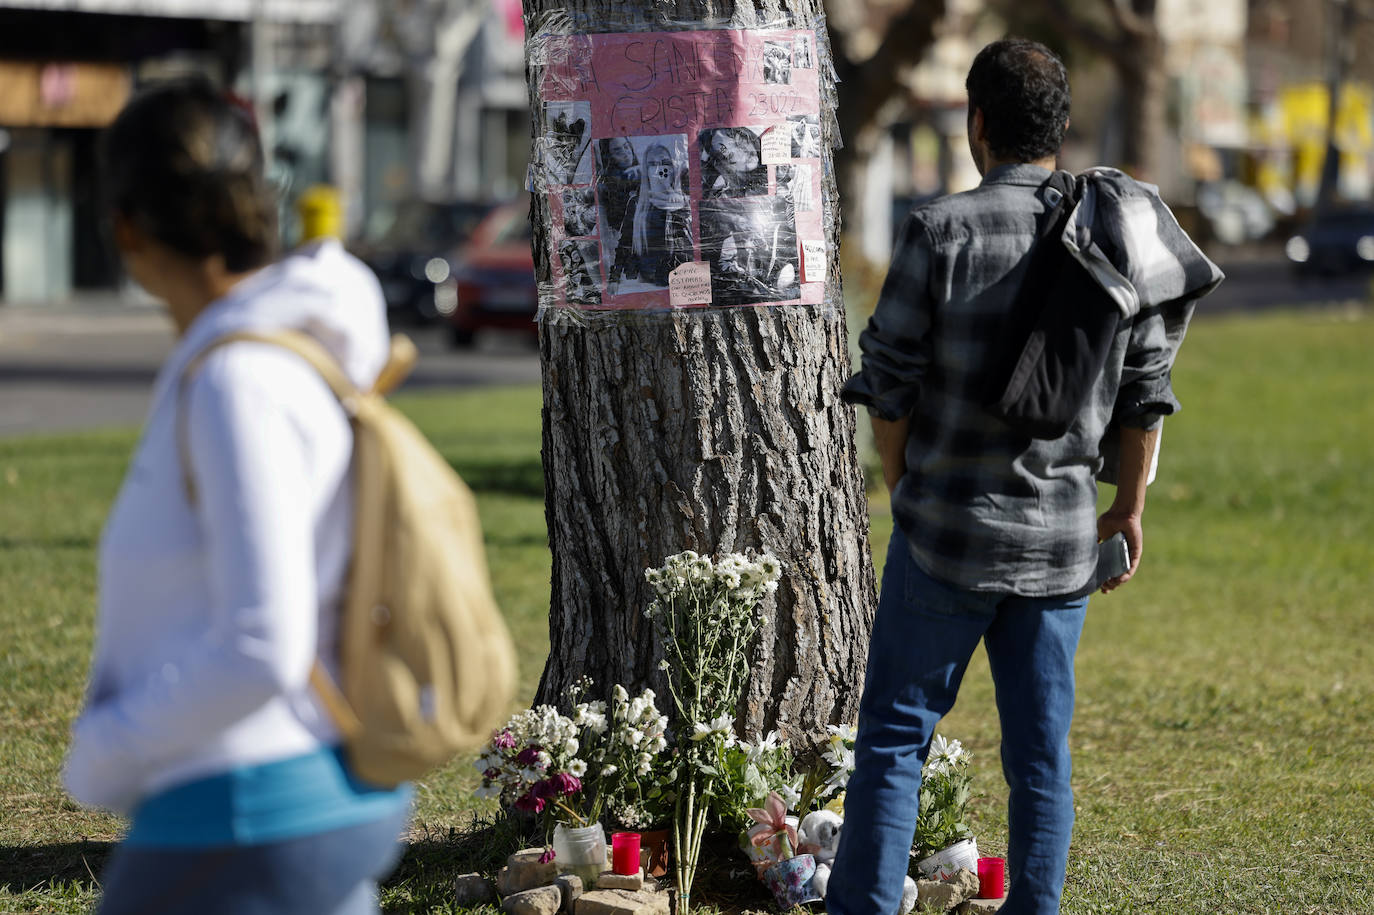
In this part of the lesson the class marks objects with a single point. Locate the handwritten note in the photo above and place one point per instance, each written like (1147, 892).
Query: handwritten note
(776, 146)
(814, 258)
(690, 284)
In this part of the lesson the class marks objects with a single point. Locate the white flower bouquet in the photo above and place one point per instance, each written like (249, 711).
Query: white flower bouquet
(706, 613)
(630, 762)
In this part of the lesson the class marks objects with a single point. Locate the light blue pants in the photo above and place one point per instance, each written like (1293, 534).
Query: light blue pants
(329, 873)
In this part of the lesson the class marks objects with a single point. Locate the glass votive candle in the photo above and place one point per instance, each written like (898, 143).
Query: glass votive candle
(991, 878)
(625, 853)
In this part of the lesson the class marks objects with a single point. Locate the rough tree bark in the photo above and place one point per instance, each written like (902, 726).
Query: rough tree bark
(716, 431)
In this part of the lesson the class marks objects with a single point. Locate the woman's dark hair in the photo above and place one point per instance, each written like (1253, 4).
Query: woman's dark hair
(1023, 91)
(184, 164)
(606, 150)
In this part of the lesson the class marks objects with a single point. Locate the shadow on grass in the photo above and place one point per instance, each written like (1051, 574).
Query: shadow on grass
(26, 867)
(516, 478)
(47, 543)
(423, 881)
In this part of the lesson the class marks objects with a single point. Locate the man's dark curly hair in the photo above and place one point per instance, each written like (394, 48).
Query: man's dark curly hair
(1023, 91)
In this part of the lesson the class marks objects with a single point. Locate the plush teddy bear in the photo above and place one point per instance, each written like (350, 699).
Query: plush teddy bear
(820, 834)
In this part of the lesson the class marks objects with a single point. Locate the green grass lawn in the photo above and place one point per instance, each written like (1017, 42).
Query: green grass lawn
(1225, 716)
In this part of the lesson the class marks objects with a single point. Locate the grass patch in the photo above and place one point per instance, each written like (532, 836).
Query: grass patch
(1225, 696)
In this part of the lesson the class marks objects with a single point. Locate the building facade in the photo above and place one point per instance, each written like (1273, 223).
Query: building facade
(387, 100)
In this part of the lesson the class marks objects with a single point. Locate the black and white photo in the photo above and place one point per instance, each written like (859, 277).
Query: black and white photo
(581, 272)
(617, 180)
(648, 217)
(777, 63)
(751, 246)
(806, 136)
(567, 143)
(802, 57)
(579, 212)
(795, 183)
(732, 162)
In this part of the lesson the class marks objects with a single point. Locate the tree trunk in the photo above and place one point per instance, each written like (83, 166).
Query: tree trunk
(866, 88)
(1144, 88)
(716, 430)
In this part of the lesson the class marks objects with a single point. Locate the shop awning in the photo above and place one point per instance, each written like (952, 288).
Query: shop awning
(61, 94)
(228, 10)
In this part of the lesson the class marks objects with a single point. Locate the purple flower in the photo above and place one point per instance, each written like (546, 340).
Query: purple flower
(547, 856)
(504, 741)
(565, 783)
(529, 802)
(529, 756)
(493, 773)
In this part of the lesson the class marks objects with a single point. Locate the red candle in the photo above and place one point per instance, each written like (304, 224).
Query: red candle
(625, 853)
(991, 876)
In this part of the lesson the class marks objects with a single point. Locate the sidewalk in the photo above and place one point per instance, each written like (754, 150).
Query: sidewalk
(85, 314)
(79, 364)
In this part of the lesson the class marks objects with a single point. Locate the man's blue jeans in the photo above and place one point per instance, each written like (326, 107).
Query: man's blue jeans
(925, 632)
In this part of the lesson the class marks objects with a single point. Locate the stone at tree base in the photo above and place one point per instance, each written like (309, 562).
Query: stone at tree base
(946, 895)
(471, 890)
(542, 900)
(570, 885)
(622, 902)
(980, 906)
(523, 871)
(610, 880)
(908, 890)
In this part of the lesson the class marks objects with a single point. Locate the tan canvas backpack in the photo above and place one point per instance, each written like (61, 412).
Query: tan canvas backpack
(427, 664)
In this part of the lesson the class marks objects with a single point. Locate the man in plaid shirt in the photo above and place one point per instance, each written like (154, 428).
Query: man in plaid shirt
(996, 532)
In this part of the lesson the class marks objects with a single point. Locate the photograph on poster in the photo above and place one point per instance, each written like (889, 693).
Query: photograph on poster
(732, 162)
(751, 246)
(806, 136)
(579, 211)
(581, 272)
(777, 63)
(633, 116)
(617, 180)
(567, 143)
(654, 231)
(795, 184)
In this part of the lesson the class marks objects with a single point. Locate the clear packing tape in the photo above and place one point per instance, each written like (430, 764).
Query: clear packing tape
(681, 166)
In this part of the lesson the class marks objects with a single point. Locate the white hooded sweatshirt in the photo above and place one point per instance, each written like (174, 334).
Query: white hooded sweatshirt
(211, 615)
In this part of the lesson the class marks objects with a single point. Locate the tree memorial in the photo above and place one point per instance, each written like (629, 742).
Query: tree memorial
(692, 338)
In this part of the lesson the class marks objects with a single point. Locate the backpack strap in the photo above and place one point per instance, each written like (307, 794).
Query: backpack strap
(400, 361)
(398, 365)
(298, 342)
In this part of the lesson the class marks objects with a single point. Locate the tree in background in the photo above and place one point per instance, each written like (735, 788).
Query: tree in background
(1126, 34)
(872, 91)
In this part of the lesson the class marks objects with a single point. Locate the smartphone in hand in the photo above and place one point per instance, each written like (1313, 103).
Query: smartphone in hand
(1113, 559)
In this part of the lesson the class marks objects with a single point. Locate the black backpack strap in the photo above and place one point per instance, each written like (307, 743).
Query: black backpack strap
(1045, 261)
(1061, 326)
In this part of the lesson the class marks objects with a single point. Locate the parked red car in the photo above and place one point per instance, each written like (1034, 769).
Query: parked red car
(494, 277)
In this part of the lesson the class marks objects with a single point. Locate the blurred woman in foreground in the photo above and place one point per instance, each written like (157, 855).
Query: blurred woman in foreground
(223, 561)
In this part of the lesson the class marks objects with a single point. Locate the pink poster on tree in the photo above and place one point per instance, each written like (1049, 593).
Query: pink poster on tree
(695, 152)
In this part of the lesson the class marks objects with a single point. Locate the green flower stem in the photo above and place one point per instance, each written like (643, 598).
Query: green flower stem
(581, 820)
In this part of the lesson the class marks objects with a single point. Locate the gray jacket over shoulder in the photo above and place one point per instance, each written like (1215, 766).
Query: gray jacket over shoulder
(983, 506)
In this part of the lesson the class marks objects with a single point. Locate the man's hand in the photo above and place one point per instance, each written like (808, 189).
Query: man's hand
(890, 440)
(1137, 450)
(1128, 524)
